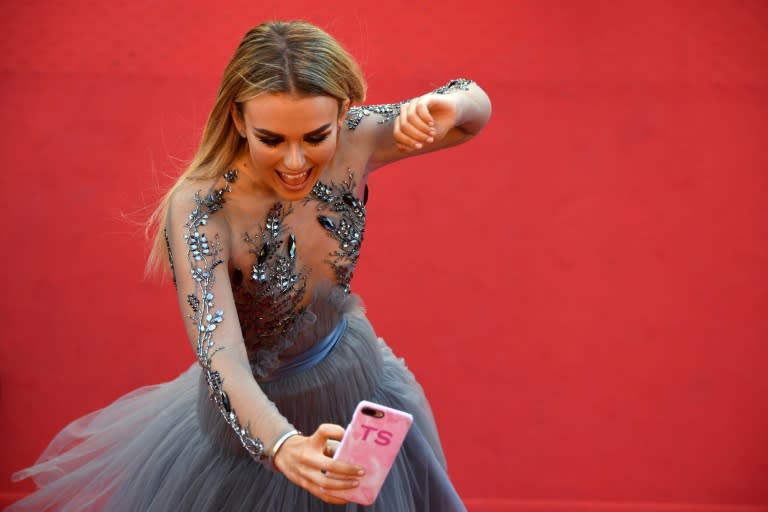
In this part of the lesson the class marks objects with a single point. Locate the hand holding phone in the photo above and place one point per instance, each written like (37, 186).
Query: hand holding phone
(372, 440)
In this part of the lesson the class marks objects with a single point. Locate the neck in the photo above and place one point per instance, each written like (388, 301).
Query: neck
(248, 182)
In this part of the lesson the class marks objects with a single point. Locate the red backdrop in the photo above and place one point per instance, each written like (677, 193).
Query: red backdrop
(582, 290)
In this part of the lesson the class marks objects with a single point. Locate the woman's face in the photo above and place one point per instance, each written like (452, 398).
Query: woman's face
(291, 139)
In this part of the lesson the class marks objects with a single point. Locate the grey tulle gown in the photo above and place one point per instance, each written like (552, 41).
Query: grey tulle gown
(167, 447)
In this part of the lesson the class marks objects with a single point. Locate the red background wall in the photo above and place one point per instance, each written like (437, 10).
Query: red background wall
(582, 290)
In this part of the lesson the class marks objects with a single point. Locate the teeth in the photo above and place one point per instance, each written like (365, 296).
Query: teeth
(293, 179)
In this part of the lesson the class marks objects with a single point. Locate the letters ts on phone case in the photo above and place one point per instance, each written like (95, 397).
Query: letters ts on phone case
(372, 440)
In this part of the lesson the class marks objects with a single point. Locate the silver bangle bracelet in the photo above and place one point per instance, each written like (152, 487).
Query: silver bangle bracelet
(281, 440)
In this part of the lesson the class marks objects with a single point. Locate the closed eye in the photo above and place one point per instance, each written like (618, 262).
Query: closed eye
(271, 141)
(316, 139)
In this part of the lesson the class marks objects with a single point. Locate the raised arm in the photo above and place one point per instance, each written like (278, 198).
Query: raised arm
(199, 249)
(447, 116)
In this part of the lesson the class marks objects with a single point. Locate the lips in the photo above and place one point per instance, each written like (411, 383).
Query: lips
(294, 181)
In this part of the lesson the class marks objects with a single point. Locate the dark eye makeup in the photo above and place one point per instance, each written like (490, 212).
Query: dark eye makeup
(313, 139)
(316, 139)
(270, 141)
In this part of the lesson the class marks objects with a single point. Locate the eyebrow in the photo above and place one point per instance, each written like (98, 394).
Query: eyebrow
(316, 131)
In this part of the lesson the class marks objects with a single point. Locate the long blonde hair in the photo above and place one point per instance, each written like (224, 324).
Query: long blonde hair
(274, 57)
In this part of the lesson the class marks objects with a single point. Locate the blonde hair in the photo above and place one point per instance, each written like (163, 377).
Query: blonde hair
(274, 57)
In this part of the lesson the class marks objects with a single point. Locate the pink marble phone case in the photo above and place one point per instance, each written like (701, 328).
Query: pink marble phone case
(372, 442)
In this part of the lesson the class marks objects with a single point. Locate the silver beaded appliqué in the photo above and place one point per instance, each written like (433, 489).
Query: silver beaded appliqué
(388, 111)
(203, 254)
(271, 298)
(347, 226)
(458, 84)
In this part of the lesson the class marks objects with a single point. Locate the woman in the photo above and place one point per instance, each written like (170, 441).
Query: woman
(262, 232)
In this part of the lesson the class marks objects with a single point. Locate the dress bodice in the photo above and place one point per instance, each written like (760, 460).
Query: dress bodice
(285, 304)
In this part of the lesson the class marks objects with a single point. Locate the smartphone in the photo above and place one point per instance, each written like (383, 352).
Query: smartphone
(372, 440)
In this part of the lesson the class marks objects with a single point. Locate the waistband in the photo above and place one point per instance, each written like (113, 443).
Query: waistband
(310, 357)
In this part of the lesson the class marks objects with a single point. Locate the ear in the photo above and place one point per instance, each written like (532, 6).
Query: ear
(343, 111)
(237, 118)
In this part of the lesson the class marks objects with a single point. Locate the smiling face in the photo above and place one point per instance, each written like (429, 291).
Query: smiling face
(291, 140)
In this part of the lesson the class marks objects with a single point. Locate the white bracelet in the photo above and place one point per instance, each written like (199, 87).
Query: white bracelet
(279, 443)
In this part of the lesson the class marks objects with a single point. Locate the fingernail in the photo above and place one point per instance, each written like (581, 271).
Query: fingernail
(430, 140)
(360, 472)
(355, 483)
(418, 145)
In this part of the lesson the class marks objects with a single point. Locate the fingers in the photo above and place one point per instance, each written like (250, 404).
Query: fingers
(322, 491)
(328, 431)
(326, 480)
(414, 127)
(330, 448)
(321, 483)
(303, 461)
(317, 459)
(344, 469)
(418, 122)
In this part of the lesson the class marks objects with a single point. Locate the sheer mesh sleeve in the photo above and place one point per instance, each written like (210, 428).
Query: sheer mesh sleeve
(199, 249)
(387, 112)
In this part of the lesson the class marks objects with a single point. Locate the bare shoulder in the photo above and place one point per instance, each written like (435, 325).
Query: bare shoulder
(192, 198)
(186, 190)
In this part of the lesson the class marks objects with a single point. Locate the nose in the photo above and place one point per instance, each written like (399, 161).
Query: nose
(294, 158)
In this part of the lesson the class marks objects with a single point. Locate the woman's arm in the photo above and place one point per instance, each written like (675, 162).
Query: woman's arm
(445, 117)
(198, 246)
(199, 249)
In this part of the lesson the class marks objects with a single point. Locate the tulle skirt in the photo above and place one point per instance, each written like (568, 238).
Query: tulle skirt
(166, 447)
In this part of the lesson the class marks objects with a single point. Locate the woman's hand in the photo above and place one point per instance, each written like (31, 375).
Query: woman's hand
(308, 463)
(424, 121)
